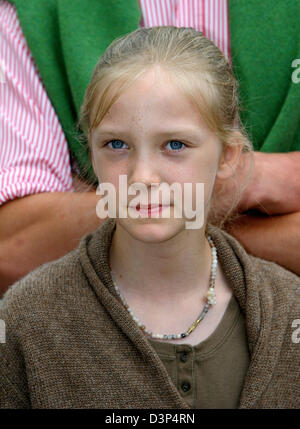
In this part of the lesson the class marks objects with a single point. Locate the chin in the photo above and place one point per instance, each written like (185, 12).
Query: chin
(152, 230)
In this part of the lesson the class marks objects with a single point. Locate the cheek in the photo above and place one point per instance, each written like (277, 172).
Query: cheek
(109, 175)
(108, 171)
(199, 171)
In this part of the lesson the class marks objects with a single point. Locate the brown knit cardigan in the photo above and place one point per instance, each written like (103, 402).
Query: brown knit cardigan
(71, 344)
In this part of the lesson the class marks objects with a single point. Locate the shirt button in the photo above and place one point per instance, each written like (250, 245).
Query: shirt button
(185, 386)
(183, 356)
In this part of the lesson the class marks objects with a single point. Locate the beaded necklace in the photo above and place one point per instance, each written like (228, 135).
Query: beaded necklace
(210, 300)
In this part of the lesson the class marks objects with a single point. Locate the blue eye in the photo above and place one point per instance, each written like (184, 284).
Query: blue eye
(176, 145)
(116, 144)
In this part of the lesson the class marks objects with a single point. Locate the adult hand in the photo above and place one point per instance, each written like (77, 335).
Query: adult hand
(268, 182)
(275, 184)
(271, 206)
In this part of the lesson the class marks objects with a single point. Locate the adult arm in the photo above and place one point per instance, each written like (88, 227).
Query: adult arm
(274, 238)
(42, 227)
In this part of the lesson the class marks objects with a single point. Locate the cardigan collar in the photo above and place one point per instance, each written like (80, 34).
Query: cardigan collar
(239, 268)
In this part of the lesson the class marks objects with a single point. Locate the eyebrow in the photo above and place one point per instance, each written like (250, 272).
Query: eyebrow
(187, 133)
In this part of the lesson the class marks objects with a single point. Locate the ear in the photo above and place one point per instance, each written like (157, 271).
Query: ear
(229, 161)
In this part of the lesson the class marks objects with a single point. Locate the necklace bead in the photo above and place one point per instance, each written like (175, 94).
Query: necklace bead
(210, 300)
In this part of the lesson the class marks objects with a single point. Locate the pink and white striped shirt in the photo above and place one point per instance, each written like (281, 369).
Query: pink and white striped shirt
(34, 154)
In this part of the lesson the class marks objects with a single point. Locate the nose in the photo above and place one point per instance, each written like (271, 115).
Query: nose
(144, 170)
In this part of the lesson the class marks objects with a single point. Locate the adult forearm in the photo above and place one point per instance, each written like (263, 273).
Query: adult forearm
(274, 238)
(40, 228)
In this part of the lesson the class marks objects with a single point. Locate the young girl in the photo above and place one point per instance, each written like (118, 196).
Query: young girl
(147, 313)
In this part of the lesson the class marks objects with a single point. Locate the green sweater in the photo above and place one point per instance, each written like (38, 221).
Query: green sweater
(70, 343)
(67, 38)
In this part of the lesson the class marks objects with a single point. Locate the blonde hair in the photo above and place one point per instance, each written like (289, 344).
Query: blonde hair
(193, 62)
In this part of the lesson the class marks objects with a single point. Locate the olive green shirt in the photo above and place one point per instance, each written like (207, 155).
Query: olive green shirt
(212, 373)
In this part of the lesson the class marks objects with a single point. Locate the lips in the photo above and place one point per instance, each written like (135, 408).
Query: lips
(148, 207)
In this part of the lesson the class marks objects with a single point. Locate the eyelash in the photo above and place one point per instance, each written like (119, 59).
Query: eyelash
(171, 141)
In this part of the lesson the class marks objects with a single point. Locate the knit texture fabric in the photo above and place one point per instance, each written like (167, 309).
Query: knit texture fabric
(70, 343)
(67, 39)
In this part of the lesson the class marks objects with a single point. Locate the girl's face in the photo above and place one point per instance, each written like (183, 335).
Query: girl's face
(154, 134)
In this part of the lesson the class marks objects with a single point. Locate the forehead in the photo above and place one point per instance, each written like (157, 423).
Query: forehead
(152, 99)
